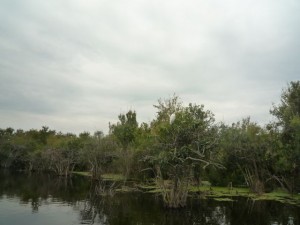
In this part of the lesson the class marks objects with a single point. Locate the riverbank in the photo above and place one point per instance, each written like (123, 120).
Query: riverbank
(213, 192)
(107, 176)
(228, 194)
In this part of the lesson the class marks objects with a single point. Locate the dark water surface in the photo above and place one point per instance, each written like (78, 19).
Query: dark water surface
(47, 200)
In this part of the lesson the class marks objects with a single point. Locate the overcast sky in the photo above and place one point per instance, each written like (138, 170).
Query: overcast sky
(74, 65)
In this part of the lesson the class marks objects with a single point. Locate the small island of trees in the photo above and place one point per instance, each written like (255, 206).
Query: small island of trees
(190, 149)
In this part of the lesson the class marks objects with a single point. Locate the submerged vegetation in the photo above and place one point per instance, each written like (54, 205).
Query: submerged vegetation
(179, 151)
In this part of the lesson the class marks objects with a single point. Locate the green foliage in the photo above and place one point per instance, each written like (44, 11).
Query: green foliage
(181, 146)
(98, 153)
(166, 107)
(289, 106)
(247, 148)
(288, 126)
(190, 139)
(125, 130)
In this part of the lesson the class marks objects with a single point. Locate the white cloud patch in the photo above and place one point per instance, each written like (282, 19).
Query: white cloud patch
(75, 65)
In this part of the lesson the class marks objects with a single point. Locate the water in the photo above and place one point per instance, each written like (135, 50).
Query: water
(47, 200)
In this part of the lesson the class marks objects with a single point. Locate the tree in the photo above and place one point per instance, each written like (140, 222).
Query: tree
(61, 154)
(167, 107)
(246, 151)
(14, 149)
(287, 113)
(181, 146)
(125, 132)
(289, 106)
(125, 129)
(98, 153)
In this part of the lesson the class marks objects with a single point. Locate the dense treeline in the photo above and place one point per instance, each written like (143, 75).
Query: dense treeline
(182, 145)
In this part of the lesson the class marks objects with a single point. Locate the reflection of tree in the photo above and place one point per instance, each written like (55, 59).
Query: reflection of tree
(92, 208)
(97, 201)
(218, 215)
(35, 205)
(37, 189)
(291, 221)
(138, 208)
(91, 204)
(104, 188)
(246, 211)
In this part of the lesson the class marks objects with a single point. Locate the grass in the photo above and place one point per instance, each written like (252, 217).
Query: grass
(220, 191)
(207, 191)
(82, 173)
(113, 177)
(226, 194)
(224, 199)
(223, 194)
(107, 176)
(280, 196)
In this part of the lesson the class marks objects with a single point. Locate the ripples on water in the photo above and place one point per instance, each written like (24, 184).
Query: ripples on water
(47, 200)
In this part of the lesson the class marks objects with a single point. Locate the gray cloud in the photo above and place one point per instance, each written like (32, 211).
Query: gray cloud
(75, 65)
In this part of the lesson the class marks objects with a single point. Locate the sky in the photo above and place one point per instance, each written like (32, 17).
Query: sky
(75, 65)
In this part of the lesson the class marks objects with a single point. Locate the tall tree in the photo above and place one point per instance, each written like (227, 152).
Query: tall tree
(246, 147)
(287, 113)
(185, 143)
(125, 131)
(98, 153)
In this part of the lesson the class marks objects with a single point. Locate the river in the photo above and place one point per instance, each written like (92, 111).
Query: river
(39, 199)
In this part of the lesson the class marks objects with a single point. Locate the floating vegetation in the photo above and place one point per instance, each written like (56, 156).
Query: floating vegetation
(222, 193)
(113, 177)
(224, 199)
(82, 173)
(205, 191)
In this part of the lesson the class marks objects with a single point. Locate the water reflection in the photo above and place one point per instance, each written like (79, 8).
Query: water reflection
(54, 200)
(40, 189)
